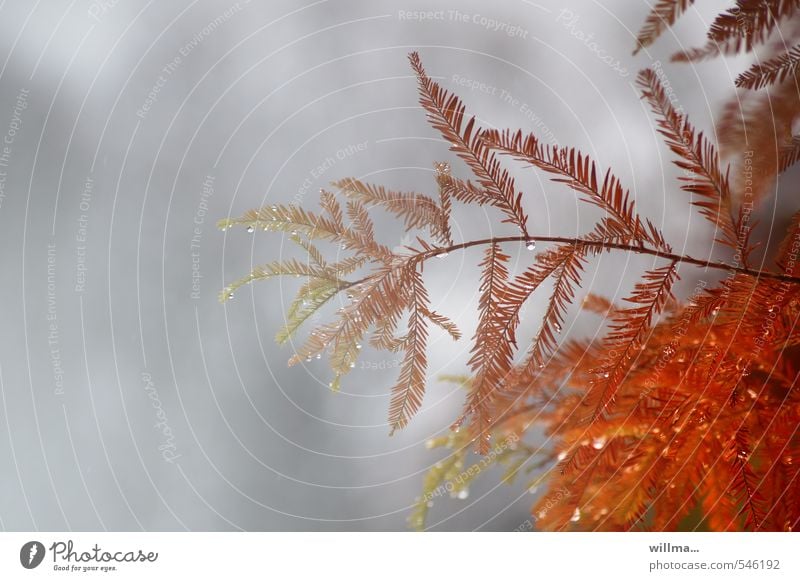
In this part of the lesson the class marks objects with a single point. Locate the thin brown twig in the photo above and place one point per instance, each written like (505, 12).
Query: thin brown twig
(603, 245)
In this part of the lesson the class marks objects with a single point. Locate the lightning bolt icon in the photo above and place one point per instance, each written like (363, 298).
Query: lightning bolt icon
(34, 550)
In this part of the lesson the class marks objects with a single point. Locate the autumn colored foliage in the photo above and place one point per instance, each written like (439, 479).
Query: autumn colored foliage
(685, 415)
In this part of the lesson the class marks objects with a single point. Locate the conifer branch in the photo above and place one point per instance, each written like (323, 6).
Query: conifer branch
(579, 172)
(629, 330)
(789, 155)
(565, 263)
(663, 15)
(690, 405)
(491, 353)
(749, 23)
(775, 70)
(696, 155)
(601, 246)
(445, 202)
(447, 114)
(416, 210)
(410, 387)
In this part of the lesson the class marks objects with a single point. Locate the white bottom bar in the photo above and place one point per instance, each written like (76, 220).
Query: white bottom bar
(389, 556)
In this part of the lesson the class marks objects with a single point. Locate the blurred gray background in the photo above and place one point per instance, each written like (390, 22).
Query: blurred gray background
(132, 400)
